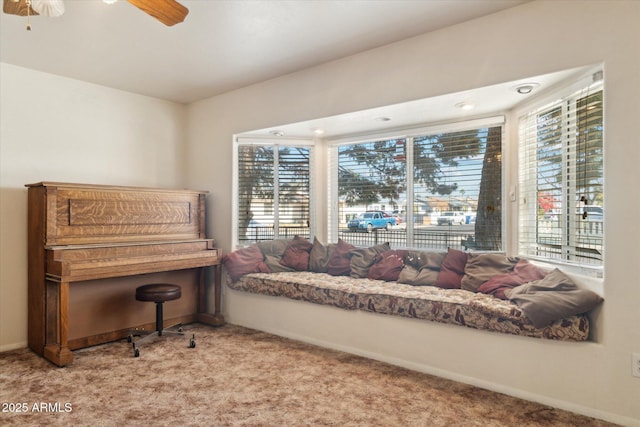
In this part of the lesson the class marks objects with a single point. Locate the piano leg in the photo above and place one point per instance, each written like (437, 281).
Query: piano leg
(59, 352)
(215, 319)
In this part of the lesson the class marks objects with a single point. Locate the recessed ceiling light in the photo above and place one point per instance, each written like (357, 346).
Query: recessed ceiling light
(277, 132)
(383, 119)
(466, 105)
(317, 131)
(526, 88)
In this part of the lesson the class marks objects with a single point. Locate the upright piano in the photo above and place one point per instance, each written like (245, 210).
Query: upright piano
(90, 246)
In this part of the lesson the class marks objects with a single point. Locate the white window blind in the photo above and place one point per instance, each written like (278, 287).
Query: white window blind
(274, 188)
(455, 171)
(561, 208)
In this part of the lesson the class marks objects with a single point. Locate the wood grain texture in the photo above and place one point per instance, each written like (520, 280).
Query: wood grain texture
(169, 12)
(19, 8)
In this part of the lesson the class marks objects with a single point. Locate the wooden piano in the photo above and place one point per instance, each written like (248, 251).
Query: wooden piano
(90, 246)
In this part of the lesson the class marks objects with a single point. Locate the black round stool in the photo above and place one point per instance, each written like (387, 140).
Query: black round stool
(158, 293)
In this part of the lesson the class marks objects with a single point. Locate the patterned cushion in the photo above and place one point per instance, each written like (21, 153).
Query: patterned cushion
(453, 306)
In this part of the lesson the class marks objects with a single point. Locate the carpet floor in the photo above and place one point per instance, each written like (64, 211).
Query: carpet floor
(242, 377)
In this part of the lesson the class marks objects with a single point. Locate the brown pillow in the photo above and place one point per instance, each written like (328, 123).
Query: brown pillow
(320, 255)
(522, 273)
(244, 261)
(274, 247)
(296, 255)
(273, 250)
(339, 263)
(388, 265)
(425, 259)
(452, 269)
(422, 268)
(363, 258)
(552, 298)
(482, 267)
(424, 277)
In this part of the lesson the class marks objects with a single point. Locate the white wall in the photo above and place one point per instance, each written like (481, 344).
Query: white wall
(58, 129)
(532, 39)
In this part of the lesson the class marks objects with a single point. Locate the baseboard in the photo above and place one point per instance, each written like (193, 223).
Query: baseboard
(14, 346)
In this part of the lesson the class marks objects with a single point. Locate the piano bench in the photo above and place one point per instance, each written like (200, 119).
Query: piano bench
(159, 293)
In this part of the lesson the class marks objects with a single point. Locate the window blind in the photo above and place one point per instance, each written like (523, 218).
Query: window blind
(561, 178)
(274, 190)
(417, 179)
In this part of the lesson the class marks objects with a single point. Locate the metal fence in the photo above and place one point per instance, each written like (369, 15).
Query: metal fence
(257, 234)
(422, 238)
(397, 238)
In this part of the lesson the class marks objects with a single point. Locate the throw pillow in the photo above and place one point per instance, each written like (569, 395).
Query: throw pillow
(422, 268)
(320, 255)
(244, 261)
(273, 251)
(424, 277)
(339, 263)
(388, 265)
(522, 273)
(363, 258)
(482, 267)
(296, 255)
(552, 298)
(425, 259)
(452, 269)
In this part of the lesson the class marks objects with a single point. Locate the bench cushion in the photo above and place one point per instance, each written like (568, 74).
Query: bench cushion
(452, 306)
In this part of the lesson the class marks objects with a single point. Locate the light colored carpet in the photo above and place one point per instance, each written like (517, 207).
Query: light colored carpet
(241, 377)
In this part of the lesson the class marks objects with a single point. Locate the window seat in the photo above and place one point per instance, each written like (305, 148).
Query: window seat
(488, 291)
(452, 306)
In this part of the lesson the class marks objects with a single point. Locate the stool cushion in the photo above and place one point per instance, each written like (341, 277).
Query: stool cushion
(158, 292)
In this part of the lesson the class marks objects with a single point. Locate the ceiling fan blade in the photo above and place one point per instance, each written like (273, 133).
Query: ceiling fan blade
(19, 8)
(169, 12)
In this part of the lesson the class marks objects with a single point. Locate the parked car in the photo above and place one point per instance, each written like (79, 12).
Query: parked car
(394, 215)
(451, 218)
(370, 221)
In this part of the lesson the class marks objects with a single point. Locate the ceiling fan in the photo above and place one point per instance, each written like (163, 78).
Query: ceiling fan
(169, 12)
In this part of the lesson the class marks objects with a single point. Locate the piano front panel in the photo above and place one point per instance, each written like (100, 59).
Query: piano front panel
(95, 215)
